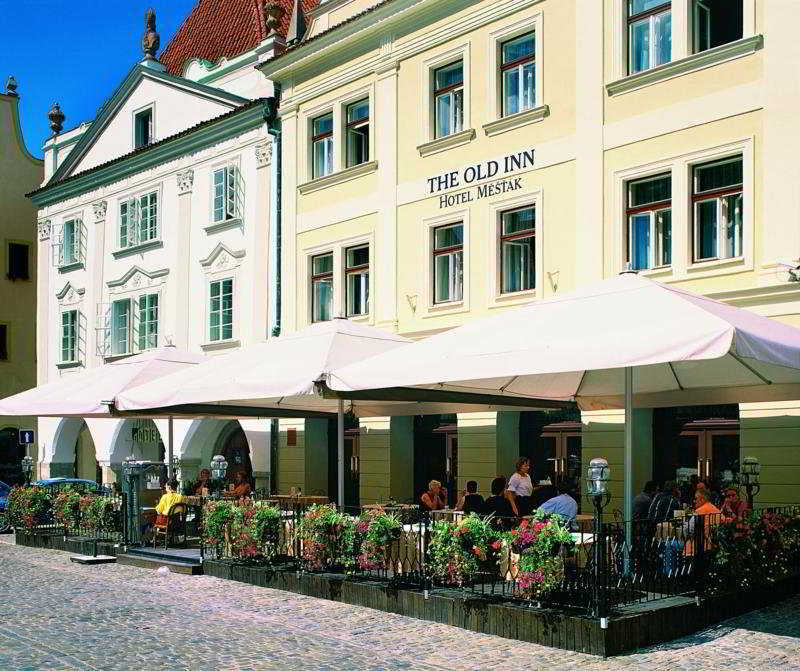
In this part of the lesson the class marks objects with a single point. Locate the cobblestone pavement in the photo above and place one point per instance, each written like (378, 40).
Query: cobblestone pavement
(57, 615)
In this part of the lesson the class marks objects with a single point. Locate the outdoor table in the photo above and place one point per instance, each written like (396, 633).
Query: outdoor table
(446, 515)
(585, 522)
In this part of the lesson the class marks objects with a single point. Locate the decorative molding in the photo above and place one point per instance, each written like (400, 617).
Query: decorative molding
(138, 249)
(222, 258)
(220, 344)
(100, 208)
(69, 364)
(68, 268)
(226, 225)
(44, 230)
(516, 120)
(338, 177)
(704, 59)
(137, 278)
(263, 154)
(185, 181)
(70, 295)
(445, 143)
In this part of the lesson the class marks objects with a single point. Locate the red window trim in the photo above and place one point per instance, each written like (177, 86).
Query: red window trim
(325, 135)
(363, 120)
(650, 207)
(451, 87)
(719, 193)
(519, 61)
(321, 276)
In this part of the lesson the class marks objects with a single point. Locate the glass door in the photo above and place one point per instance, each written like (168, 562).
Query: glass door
(722, 455)
(352, 461)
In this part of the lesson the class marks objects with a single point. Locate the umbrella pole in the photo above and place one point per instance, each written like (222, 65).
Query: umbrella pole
(340, 451)
(170, 468)
(628, 457)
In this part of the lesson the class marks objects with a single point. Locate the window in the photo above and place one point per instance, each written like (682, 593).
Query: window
(121, 327)
(220, 314)
(227, 193)
(448, 99)
(18, 261)
(68, 244)
(649, 34)
(448, 263)
(518, 71)
(518, 250)
(357, 133)
(717, 201)
(138, 220)
(3, 342)
(357, 280)
(716, 22)
(143, 128)
(322, 145)
(69, 336)
(322, 287)
(148, 321)
(649, 213)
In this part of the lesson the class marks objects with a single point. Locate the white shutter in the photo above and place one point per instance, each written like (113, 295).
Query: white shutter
(103, 329)
(57, 245)
(239, 192)
(77, 241)
(230, 192)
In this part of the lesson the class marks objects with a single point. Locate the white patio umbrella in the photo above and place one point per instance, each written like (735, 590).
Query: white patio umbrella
(280, 378)
(624, 342)
(87, 393)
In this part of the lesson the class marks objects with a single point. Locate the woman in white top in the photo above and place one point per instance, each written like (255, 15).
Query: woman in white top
(521, 486)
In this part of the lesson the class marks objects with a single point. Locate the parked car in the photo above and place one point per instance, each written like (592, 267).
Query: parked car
(74, 483)
(4, 491)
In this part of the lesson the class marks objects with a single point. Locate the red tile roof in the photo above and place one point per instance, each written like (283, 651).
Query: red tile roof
(218, 29)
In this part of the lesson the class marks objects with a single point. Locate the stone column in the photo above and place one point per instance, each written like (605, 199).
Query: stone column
(290, 159)
(259, 233)
(100, 210)
(182, 260)
(43, 295)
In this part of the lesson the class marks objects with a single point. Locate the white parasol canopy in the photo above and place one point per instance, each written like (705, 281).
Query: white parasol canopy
(86, 393)
(626, 341)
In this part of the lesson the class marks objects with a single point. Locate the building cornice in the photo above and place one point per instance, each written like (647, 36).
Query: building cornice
(192, 140)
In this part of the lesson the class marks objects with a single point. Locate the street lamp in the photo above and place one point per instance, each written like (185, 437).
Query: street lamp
(750, 471)
(176, 468)
(599, 474)
(218, 469)
(27, 469)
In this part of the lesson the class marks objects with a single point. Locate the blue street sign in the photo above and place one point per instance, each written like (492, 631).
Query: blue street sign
(27, 436)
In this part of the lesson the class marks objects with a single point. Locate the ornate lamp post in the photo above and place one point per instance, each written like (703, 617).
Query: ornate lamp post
(598, 476)
(27, 469)
(218, 469)
(750, 471)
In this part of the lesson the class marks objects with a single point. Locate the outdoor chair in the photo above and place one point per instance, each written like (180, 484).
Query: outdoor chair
(173, 528)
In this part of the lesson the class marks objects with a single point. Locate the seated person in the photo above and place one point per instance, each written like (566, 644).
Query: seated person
(563, 504)
(169, 499)
(642, 501)
(470, 501)
(501, 503)
(665, 503)
(733, 507)
(436, 496)
(203, 486)
(705, 513)
(544, 492)
(241, 488)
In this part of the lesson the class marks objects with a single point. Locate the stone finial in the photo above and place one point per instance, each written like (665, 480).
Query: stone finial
(273, 14)
(151, 40)
(56, 117)
(11, 86)
(297, 24)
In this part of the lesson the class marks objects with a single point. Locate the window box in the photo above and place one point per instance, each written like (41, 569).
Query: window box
(516, 120)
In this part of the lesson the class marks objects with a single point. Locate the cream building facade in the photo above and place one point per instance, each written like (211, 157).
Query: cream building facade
(444, 160)
(19, 172)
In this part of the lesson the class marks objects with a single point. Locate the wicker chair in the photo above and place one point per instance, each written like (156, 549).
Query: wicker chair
(174, 527)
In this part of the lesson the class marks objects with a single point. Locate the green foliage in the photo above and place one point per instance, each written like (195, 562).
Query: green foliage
(99, 513)
(541, 544)
(250, 531)
(29, 507)
(67, 508)
(376, 530)
(460, 550)
(328, 538)
(217, 515)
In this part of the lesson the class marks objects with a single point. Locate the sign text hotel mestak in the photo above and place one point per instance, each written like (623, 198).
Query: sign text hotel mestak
(490, 177)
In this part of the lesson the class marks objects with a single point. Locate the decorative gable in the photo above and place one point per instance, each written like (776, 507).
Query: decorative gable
(70, 295)
(222, 259)
(137, 278)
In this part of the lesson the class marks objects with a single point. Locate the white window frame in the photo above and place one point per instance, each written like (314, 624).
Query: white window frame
(427, 103)
(345, 273)
(135, 197)
(651, 212)
(238, 192)
(431, 307)
(113, 327)
(496, 298)
(152, 107)
(335, 150)
(345, 129)
(532, 24)
(310, 282)
(79, 242)
(137, 334)
(721, 216)
(681, 167)
(209, 282)
(76, 336)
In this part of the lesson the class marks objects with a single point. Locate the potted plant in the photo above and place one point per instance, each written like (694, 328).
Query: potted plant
(217, 516)
(328, 538)
(542, 543)
(459, 551)
(67, 509)
(29, 507)
(98, 513)
(377, 531)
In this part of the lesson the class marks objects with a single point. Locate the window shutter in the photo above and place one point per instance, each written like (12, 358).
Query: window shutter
(103, 329)
(230, 192)
(239, 192)
(77, 241)
(57, 245)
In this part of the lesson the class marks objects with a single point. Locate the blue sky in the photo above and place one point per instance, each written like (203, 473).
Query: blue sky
(74, 53)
